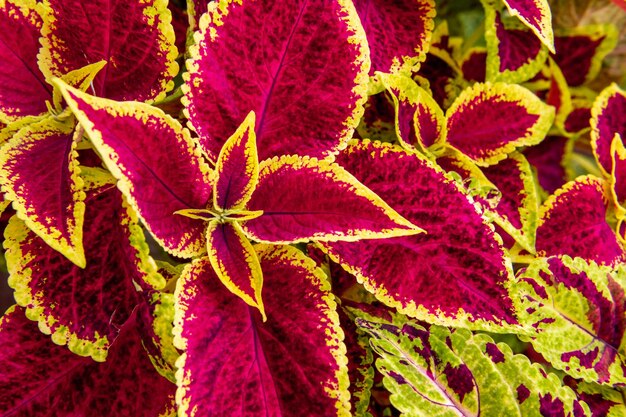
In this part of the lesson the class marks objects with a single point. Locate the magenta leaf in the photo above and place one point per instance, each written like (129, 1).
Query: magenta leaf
(442, 74)
(237, 168)
(304, 75)
(488, 121)
(559, 96)
(514, 53)
(579, 118)
(580, 51)
(236, 365)
(316, 200)
(158, 166)
(418, 118)
(398, 32)
(572, 222)
(39, 172)
(607, 120)
(454, 274)
(537, 16)
(474, 65)
(83, 307)
(39, 378)
(136, 39)
(603, 401)
(516, 210)
(235, 262)
(24, 89)
(549, 158)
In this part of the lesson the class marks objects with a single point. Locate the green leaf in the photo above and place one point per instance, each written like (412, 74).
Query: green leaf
(578, 309)
(450, 372)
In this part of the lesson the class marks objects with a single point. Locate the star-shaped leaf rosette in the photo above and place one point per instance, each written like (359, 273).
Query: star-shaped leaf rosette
(190, 208)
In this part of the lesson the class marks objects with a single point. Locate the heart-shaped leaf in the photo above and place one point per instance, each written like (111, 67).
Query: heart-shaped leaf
(488, 121)
(572, 222)
(580, 51)
(514, 54)
(39, 172)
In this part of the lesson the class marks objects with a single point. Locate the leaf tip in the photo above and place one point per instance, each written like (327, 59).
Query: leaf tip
(262, 310)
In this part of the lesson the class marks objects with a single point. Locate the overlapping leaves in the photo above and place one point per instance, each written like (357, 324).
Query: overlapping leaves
(248, 199)
(437, 371)
(578, 309)
(134, 40)
(477, 217)
(294, 361)
(469, 287)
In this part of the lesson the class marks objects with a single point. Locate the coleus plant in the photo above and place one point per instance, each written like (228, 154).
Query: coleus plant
(343, 207)
(134, 40)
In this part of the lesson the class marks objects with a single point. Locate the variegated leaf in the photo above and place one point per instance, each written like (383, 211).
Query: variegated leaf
(572, 221)
(580, 51)
(449, 373)
(158, 166)
(578, 310)
(304, 74)
(514, 53)
(607, 120)
(24, 89)
(316, 200)
(83, 307)
(237, 168)
(537, 16)
(136, 39)
(456, 273)
(488, 121)
(39, 172)
(236, 365)
(235, 262)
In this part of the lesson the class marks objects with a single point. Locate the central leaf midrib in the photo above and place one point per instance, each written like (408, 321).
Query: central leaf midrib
(423, 371)
(51, 384)
(283, 54)
(150, 170)
(107, 51)
(45, 86)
